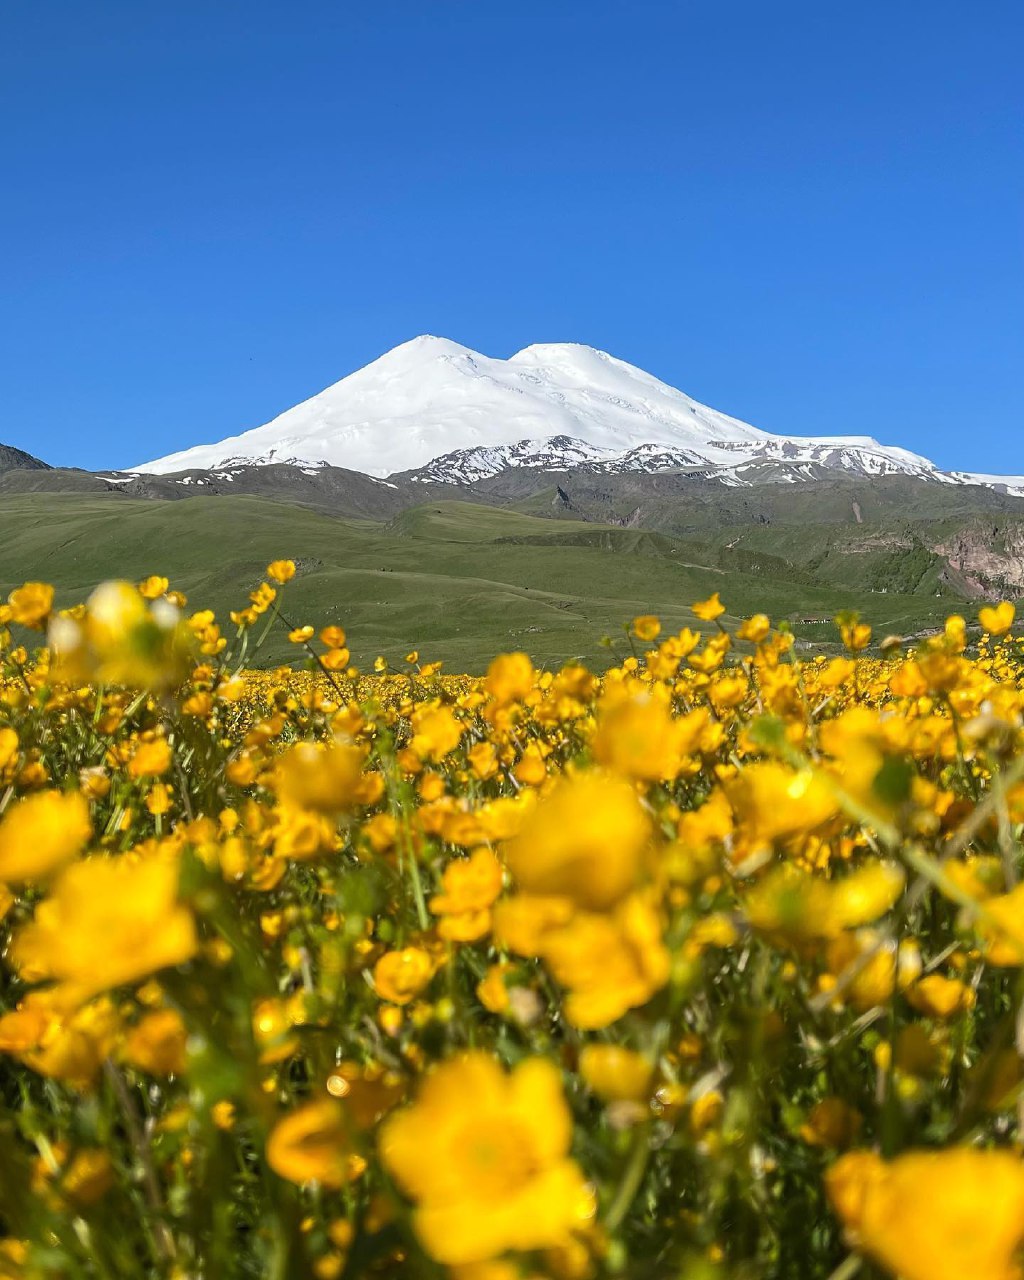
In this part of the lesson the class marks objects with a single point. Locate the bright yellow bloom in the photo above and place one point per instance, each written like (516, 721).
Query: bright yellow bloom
(41, 833)
(8, 748)
(436, 732)
(401, 975)
(772, 803)
(999, 620)
(941, 997)
(31, 604)
(122, 639)
(510, 678)
(150, 759)
(867, 893)
(640, 738)
(710, 609)
(108, 921)
(755, 629)
(585, 841)
(856, 635)
(281, 570)
(491, 989)
(945, 1215)
(326, 779)
(469, 887)
(615, 1073)
(65, 1044)
(157, 1044)
(1002, 931)
(647, 627)
(485, 1158)
(609, 963)
(272, 1031)
(153, 587)
(314, 1144)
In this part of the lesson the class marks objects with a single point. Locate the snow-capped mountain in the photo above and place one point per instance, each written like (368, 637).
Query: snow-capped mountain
(439, 411)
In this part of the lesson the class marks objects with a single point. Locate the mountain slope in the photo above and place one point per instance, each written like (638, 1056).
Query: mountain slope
(456, 580)
(12, 459)
(544, 406)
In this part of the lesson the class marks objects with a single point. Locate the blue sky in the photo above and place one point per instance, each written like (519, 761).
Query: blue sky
(808, 215)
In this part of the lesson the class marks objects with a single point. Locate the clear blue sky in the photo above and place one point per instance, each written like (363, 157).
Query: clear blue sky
(807, 214)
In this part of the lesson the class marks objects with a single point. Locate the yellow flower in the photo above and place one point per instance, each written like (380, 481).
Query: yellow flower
(272, 1031)
(41, 833)
(65, 1044)
(326, 779)
(615, 1073)
(150, 759)
(955, 633)
(1002, 932)
(122, 639)
(469, 887)
(401, 975)
(157, 1044)
(584, 841)
(706, 1111)
(941, 997)
(333, 637)
(108, 921)
(491, 989)
(999, 620)
(945, 1215)
(710, 609)
(8, 748)
(856, 635)
(336, 659)
(867, 893)
(772, 803)
(314, 1144)
(647, 627)
(435, 731)
(153, 587)
(791, 905)
(485, 1157)
(281, 570)
(483, 760)
(31, 604)
(755, 629)
(640, 738)
(510, 678)
(223, 1115)
(610, 963)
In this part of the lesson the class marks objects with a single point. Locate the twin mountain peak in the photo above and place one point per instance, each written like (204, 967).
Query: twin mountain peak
(433, 410)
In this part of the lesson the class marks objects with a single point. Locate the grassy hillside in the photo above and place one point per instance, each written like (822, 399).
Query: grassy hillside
(455, 580)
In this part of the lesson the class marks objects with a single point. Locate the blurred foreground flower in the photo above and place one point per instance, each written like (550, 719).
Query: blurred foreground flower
(485, 1156)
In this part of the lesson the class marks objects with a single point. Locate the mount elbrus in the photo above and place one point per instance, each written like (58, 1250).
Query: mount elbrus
(434, 410)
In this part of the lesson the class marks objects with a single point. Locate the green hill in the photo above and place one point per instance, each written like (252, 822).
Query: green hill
(457, 581)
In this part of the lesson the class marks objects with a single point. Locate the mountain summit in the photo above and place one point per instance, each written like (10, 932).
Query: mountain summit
(444, 412)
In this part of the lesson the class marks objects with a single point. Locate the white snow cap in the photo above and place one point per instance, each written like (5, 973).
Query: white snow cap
(430, 397)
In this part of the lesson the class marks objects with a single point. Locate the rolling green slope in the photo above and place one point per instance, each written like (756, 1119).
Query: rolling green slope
(457, 581)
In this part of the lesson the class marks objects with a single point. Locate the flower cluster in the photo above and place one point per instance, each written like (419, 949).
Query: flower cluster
(708, 965)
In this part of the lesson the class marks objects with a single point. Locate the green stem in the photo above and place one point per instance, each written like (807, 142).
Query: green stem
(632, 1177)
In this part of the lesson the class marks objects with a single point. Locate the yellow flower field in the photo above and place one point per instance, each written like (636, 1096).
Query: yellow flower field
(708, 966)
